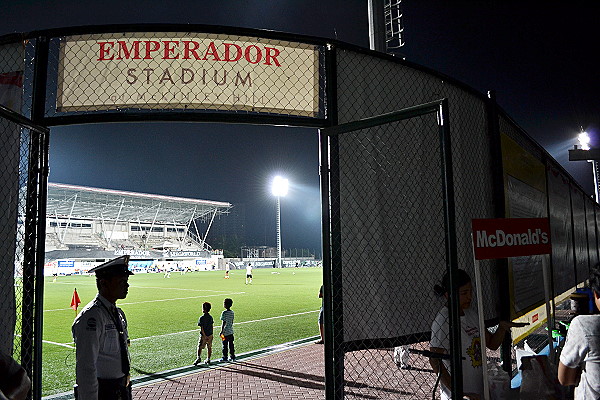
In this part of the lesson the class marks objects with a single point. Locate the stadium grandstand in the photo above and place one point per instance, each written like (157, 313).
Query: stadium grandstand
(87, 226)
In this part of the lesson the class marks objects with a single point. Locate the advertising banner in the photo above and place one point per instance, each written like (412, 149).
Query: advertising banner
(561, 223)
(510, 237)
(187, 70)
(66, 264)
(525, 197)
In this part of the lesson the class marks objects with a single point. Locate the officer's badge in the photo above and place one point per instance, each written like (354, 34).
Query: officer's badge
(91, 324)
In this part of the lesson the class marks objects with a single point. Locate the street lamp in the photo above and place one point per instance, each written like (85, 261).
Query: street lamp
(279, 188)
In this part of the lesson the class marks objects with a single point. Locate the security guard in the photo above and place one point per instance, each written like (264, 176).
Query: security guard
(101, 339)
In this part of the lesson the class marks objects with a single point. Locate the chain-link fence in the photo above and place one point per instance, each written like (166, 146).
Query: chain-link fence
(388, 236)
(388, 221)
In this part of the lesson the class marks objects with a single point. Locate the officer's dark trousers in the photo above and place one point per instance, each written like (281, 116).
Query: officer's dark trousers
(114, 389)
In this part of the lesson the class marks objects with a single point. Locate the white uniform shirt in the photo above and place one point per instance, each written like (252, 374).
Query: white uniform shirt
(249, 270)
(98, 352)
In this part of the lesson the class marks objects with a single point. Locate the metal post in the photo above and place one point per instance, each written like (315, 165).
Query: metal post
(499, 212)
(377, 26)
(38, 185)
(547, 295)
(478, 284)
(595, 170)
(451, 261)
(334, 360)
(278, 232)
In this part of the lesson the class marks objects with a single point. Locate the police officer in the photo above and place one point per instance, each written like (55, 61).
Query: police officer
(101, 339)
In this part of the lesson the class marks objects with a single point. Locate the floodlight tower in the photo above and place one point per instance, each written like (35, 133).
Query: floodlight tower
(279, 189)
(385, 25)
(584, 152)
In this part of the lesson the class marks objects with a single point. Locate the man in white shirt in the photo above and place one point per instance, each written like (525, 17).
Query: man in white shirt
(580, 357)
(101, 338)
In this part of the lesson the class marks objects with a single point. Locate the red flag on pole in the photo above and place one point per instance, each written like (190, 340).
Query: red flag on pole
(75, 300)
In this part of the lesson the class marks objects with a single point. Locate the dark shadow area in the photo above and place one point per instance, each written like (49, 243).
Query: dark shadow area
(153, 375)
(277, 378)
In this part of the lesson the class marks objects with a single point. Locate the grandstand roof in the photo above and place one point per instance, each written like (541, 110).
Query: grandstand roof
(94, 203)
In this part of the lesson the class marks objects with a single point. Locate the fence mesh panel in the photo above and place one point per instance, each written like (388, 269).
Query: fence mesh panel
(388, 213)
(369, 86)
(16, 299)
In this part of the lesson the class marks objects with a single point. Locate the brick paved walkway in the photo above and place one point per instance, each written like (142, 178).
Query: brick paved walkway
(297, 373)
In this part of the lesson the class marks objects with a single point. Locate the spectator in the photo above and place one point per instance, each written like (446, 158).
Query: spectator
(321, 326)
(206, 324)
(227, 330)
(580, 357)
(470, 339)
(14, 382)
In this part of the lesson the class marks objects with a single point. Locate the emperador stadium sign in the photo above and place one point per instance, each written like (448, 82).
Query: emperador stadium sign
(510, 237)
(187, 70)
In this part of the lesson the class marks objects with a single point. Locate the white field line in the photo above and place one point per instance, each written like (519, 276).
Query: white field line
(154, 301)
(236, 324)
(143, 287)
(196, 330)
(68, 346)
(168, 288)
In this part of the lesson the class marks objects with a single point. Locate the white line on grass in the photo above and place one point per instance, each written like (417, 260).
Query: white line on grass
(157, 300)
(168, 288)
(68, 345)
(237, 323)
(182, 298)
(154, 301)
(144, 287)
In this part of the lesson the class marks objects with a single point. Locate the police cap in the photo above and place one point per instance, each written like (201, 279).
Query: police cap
(115, 267)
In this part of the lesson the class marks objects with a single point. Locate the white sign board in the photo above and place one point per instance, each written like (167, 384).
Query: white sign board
(187, 70)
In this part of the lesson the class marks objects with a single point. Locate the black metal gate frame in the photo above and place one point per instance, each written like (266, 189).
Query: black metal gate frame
(33, 250)
(330, 186)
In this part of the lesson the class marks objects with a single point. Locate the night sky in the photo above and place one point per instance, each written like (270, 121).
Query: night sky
(538, 57)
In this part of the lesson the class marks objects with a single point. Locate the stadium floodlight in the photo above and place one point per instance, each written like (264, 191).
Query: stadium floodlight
(279, 188)
(590, 155)
(584, 140)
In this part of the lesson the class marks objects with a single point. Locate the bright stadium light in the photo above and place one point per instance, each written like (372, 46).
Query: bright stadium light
(279, 188)
(584, 140)
(584, 143)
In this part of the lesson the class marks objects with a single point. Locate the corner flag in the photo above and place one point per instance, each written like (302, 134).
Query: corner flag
(75, 300)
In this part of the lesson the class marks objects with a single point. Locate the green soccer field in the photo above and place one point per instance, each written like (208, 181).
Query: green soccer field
(162, 314)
